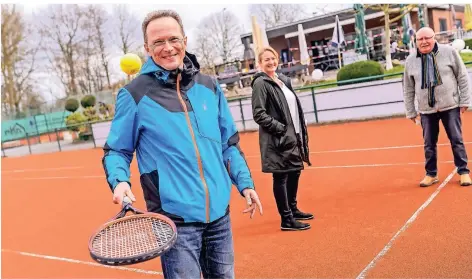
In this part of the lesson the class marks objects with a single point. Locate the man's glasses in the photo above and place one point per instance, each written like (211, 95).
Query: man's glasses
(173, 41)
(424, 38)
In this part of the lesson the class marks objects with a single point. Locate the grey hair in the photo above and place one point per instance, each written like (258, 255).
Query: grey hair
(160, 14)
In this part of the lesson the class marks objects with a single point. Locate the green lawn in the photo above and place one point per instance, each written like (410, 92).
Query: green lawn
(467, 57)
(320, 83)
(395, 70)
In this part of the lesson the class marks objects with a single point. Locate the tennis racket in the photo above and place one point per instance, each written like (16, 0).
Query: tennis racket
(139, 237)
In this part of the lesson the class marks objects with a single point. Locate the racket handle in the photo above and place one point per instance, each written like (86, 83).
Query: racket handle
(126, 201)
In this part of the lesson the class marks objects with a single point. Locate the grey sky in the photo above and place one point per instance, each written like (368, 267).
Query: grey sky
(191, 16)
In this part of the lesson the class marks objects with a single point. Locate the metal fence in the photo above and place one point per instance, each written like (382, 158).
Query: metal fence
(71, 137)
(246, 121)
(60, 137)
(242, 111)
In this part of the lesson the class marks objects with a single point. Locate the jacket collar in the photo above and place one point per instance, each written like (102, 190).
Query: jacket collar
(189, 69)
(266, 77)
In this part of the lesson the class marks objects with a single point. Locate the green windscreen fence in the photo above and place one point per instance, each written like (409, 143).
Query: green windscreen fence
(34, 125)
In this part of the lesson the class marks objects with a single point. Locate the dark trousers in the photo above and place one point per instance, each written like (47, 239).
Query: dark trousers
(285, 193)
(451, 120)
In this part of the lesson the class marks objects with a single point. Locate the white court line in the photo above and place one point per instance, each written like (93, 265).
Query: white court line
(45, 169)
(405, 226)
(255, 170)
(369, 149)
(258, 156)
(54, 177)
(137, 270)
(370, 165)
(382, 148)
(376, 165)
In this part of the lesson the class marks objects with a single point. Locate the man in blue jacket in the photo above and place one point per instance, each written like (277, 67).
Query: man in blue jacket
(187, 146)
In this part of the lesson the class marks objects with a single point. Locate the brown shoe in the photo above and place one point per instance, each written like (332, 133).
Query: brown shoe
(465, 180)
(428, 181)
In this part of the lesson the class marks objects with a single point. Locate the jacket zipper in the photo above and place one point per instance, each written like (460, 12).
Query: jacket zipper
(199, 159)
(288, 113)
(284, 113)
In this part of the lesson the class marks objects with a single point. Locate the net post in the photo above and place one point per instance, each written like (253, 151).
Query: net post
(28, 141)
(57, 138)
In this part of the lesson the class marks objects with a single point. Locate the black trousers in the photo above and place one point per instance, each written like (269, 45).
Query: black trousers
(451, 120)
(285, 192)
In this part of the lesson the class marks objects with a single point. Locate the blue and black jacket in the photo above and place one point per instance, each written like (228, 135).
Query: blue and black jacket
(186, 143)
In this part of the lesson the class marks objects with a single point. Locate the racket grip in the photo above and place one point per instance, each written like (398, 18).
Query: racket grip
(126, 201)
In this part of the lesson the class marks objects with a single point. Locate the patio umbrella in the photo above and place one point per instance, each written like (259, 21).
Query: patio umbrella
(407, 28)
(338, 38)
(361, 41)
(421, 15)
(264, 40)
(453, 12)
(256, 38)
(304, 56)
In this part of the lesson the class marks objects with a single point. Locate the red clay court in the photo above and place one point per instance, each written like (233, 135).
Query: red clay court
(372, 220)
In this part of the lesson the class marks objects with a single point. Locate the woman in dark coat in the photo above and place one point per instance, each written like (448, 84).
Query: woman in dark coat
(283, 137)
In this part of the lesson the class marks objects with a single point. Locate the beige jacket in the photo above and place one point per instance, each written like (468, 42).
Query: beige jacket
(454, 91)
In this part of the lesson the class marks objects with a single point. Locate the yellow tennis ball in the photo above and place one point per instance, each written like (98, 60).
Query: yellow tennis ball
(130, 63)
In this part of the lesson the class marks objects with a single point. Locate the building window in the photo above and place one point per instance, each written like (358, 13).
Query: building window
(442, 25)
(458, 23)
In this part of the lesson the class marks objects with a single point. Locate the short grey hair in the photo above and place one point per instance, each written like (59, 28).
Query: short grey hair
(160, 14)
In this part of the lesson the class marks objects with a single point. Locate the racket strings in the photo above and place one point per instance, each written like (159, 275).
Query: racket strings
(131, 237)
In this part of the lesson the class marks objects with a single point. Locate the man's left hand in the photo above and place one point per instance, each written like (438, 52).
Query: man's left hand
(463, 109)
(252, 201)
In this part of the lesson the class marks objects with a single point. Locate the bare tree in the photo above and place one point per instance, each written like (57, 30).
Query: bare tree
(127, 29)
(87, 52)
(322, 9)
(93, 64)
(18, 59)
(278, 14)
(205, 51)
(387, 9)
(34, 102)
(98, 17)
(11, 38)
(62, 28)
(221, 32)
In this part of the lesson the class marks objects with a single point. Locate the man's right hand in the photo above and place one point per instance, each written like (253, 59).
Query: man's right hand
(414, 119)
(122, 190)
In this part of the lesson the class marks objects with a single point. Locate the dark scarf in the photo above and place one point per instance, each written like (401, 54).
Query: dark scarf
(430, 77)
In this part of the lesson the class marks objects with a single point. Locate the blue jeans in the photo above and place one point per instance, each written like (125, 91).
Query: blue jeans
(201, 249)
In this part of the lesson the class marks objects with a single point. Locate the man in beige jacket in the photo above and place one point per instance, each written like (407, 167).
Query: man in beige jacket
(436, 75)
